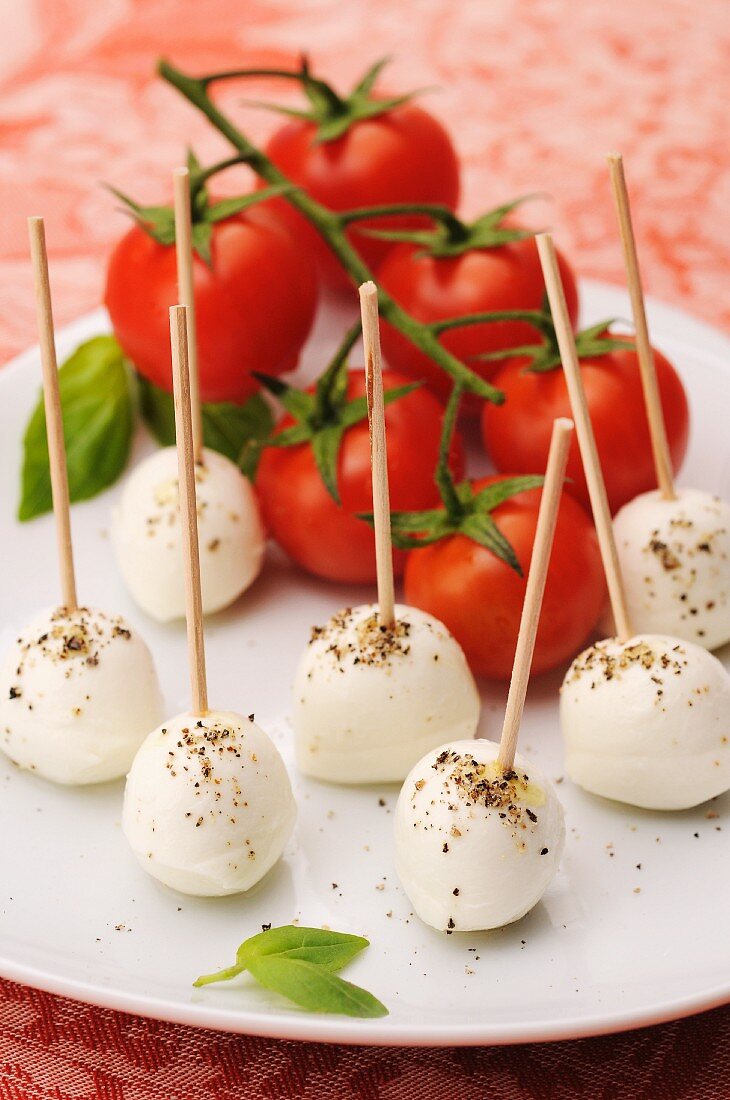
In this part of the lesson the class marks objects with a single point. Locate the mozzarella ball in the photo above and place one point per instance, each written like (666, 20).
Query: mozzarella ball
(368, 702)
(475, 848)
(146, 534)
(675, 561)
(208, 806)
(78, 695)
(647, 722)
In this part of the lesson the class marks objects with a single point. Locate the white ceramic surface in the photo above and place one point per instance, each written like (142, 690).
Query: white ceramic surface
(632, 931)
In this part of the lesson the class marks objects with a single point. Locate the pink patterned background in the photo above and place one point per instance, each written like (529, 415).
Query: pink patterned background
(535, 93)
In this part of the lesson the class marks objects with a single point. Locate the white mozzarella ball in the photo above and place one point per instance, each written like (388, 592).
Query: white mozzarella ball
(78, 695)
(208, 806)
(647, 722)
(475, 849)
(369, 702)
(146, 534)
(675, 562)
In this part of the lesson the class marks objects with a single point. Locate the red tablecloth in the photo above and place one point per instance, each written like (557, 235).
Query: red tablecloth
(536, 92)
(55, 1049)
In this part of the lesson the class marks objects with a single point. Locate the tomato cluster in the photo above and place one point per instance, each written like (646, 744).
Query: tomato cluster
(256, 274)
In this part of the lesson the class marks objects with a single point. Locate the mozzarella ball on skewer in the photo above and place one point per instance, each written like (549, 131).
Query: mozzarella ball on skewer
(208, 806)
(647, 722)
(78, 695)
(147, 538)
(475, 848)
(369, 701)
(675, 562)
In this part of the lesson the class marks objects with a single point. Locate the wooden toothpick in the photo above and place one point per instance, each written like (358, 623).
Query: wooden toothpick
(644, 351)
(54, 418)
(188, 507)
(378, 451)
(586, 438)
(186, 294)
(535, 589)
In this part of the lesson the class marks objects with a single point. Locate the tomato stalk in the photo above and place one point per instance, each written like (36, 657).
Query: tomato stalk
(450, 236)
(328, 224)
(159, 221)
(322, 418)
(464, 511)
(331, 113)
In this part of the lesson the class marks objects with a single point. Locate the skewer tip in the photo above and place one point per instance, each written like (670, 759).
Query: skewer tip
(368, 290)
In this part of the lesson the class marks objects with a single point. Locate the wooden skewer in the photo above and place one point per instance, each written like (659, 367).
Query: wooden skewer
(647, 367)
(54, 418)
(186, 294)
(188, 507)
(378, 451)
(535, 589)
(586, 438)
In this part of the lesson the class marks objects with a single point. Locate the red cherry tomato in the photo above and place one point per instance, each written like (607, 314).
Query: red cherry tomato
(254, 305)
(433, 288)
(517, 434)
(479, 597)
(328, 539)
(403, 155)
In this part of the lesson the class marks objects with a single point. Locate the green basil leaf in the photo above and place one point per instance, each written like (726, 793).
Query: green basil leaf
(314, 988)
(236, 431)
(98, 420)
(320, 946)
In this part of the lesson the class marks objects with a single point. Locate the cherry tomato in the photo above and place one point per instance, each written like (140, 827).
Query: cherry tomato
(328, 539)
(517, 434)
(254, 304)
(433, 288)
(403, 155)
(479, 597)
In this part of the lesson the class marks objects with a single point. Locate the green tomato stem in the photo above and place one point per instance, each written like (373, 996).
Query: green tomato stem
(327, 223)
(444, 480)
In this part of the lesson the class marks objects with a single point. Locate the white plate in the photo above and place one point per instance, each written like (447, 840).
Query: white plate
(80, 918)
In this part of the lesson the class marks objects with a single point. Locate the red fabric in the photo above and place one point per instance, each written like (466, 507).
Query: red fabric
(536, 92)
(55, 1049)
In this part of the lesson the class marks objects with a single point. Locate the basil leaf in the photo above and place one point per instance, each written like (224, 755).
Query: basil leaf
(300, 964)
(330, 950)
(98, 420)
(314, 988)
(234, 430)
(321, 946)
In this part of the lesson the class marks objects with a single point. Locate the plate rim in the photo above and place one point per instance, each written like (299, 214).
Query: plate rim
(307, 1027)
(290, 1024)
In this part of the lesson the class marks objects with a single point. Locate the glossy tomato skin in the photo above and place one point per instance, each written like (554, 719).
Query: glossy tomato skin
(329, 540)
(404, 155)
(479, 597)
(517, 435)
(255, 304)
(433, 288)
